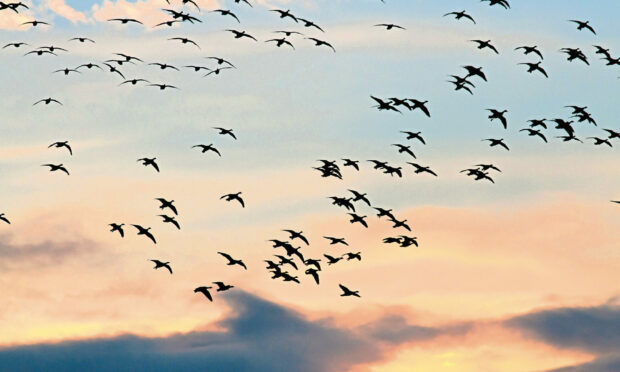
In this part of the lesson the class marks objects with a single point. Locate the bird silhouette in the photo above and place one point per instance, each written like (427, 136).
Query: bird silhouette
(384, 212)
(404, 149)
(308, 23)
(205, 291)
(351, 163)
(581, 25)
(600, 141)
(485, 44)
(318, 42)
(145, 232)
(347, 292)
(232, 261)
(280, 42)
(170, 219)
(163, 86)
(159, 264)
(47, 101)
(359, 196)
(497, 142)
(499, 115)
(475, 71)
(334, 241)
(503, 3)
(205, 148)
(421, 169)
(389, 26)
(297, 235)
(414, 135)
(149, 161)
(185, 40)
(331, 260)
(221, 61)
(225, 132)
(58, 167)
(134, 81)
(222, 287)
(35, 23)
(241, 34)
(534, 132)
(286, 261)
(285, 14)
(82, 39)
(352, 256)
(4, 218)
(459, 15)
(124, 21)
(398, 224)
(384, 105)
(118, 227)
(226, 12)
(530, 49)
(64, 144)
(217, 71)
(15, 45)
(235, 196)
(357, 218)
(535, 67)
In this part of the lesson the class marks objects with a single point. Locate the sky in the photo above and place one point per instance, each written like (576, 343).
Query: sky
(516, 275)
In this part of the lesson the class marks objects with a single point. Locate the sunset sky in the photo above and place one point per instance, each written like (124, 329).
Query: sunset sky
(519, 275)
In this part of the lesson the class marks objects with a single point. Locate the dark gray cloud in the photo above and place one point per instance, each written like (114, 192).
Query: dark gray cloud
(603, 364)
(14, 255)
(594, 329)
(259, 336)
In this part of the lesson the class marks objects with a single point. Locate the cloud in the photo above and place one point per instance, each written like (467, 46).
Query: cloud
(258, 336)
(592, 329)
(14, 255)
(595, 329)
(62, 9)
(605, 364)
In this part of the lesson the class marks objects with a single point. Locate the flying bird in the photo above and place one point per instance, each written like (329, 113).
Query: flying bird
(357, 218)
(159, 264)
(534, 132)
(503, 3)
(334, 241)
(421, 169)
(499, 115)
(35, 23)
(225, 132)
(459, 15)
(285, 14)
(226, 12)
(318, 42)
(497, 142)
(124, 21)
(47, 101)
(205, 148)
(60, 144)
(82, 39)
(232, 261)
(414, 135)
(222, 287)
(581, 25)
(145, 232)
(308, 23)
(347, 292)
(149, 161)
(205, 291)
(530, 49)
(389, 26)
(185, 40)
(240, 34)
(235, 196)
(535, 67)
(297, 235)
(117, 227)
(280, 42)
(485, 44)
(167, 204)
(54, 168)
(4, 218)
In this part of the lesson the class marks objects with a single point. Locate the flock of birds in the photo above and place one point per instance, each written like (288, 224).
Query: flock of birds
(280, 266)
